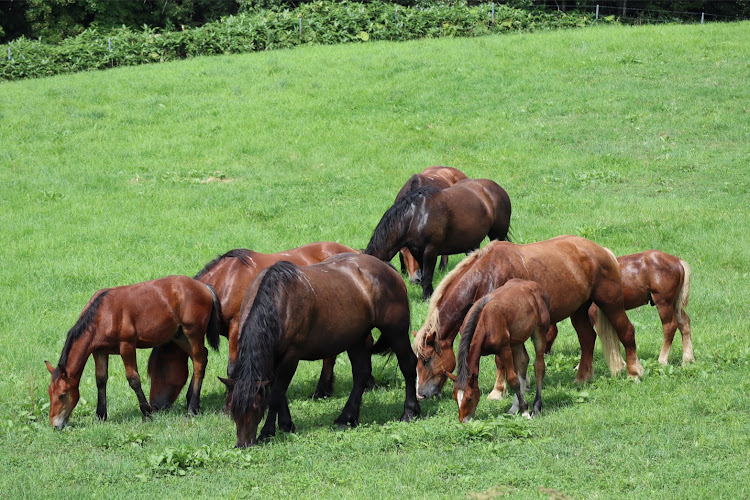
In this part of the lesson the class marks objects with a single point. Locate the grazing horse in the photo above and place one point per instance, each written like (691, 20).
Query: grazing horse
(231, 274)
(499, 323)
(573, 271)
(660, 279)
(119, 320)
(441, 178)
(293, 313)
(431, 222)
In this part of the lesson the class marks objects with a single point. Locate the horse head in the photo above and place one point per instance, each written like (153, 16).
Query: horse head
(466, 397)
(247, 410)
(63, 396)
(434, 359)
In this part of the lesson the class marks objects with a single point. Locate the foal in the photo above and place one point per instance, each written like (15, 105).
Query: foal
(119, 320)
(499, 324)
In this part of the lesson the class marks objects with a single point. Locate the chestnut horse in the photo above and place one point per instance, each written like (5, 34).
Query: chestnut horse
(231, 274)
(441, 178)
(660, 279)
(431, 222)
(573, 271)
(293, 313)
(499, 323)
(119, 320)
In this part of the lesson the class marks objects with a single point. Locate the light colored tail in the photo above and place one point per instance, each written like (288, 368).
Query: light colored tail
(610, 344)
(684, 295)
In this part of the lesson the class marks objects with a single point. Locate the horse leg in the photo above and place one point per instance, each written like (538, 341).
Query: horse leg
(539, 367)
(200, 359)
(361, 361)
(398, 338)
(278, 404)
(669, 325)
(521, 362)
(127, 352)
(551, 336)
(507, 354)
(499, 390)
(443, 262)
(683, 323)
(325, 382)
(101, 361)
(429, 260)
(587, 338)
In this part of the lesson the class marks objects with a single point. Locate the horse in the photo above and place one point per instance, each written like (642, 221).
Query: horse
(117, 321)
(431, 222)
(231, 274)
(573, 271)
(499, 323)
(292, 313)
(660, 279)
(435, 176)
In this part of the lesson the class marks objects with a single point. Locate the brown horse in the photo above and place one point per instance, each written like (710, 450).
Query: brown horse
(119, 320)
(573, 271)
(231, 274)
(431, 222)
(295, 313)
(499, 323)
(662, 280)
(438, 177)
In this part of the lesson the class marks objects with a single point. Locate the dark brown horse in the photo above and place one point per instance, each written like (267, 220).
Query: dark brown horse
(499, 323)
(438, 177)
(573, 271)
(660, 279)
(119, 320)
(231, 274)
(295, 313)
(431, 222)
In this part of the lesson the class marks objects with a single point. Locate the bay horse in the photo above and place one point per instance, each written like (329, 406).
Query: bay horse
(431, 222)
(117, 321)
(293, 313)
(499, 323)
(662, 280)
(231, 274)
(573, 271)
(435, 176)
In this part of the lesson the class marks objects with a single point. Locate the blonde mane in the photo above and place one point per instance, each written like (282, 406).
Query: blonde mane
(432, 322)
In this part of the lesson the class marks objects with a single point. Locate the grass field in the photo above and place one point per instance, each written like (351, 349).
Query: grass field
(636, 138)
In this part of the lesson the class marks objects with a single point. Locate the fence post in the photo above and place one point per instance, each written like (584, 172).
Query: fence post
(397, 14)
(300, 26)
(702, 14)
(109, 43)
(597, 12)
(493, 13)
(9, 57)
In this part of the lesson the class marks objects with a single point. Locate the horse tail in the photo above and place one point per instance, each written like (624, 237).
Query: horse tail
(684, 294)
(607, 333)
(381, 347)
(467, 335)
(216, 326)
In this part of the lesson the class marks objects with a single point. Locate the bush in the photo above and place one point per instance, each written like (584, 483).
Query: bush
(323, 22)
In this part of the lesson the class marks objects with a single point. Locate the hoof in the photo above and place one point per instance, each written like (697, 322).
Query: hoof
(321, 394)
(496, 395)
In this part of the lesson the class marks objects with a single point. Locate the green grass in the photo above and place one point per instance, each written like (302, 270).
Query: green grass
(634, 137)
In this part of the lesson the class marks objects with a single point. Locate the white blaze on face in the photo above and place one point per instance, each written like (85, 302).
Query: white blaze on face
(459, 397)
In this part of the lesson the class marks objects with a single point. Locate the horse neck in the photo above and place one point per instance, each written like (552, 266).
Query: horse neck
(390, 234)
(78, 354)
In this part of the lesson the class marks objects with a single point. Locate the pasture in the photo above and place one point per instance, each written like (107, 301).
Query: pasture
(636, 138)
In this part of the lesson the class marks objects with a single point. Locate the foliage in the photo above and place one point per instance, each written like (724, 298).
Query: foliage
(324, 22)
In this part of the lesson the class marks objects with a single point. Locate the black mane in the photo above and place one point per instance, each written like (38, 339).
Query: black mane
(467, 336)
(84, 321)
(395, 222)
(243, 254)
(259, 336)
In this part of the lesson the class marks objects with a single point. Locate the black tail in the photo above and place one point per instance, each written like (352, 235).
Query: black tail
(381, 347)
(216, 325)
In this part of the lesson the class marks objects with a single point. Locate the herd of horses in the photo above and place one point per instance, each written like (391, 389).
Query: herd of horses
(319, 300)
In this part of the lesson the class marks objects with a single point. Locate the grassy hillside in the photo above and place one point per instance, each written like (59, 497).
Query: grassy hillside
(634, 137)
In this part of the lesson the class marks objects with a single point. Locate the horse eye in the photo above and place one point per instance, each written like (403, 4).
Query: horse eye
(63, 396)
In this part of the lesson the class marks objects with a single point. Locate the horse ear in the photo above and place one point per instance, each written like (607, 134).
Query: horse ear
(50, 368)
(227, 382)
(451, 376)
